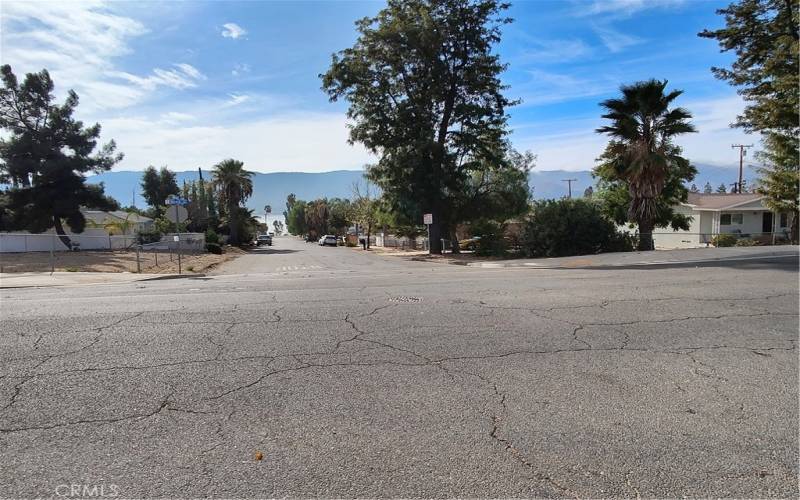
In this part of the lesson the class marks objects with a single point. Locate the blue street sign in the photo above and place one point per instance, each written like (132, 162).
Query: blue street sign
(177, 200)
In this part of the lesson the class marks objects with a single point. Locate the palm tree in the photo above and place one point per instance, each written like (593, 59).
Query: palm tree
(233, 185)
(642, 128)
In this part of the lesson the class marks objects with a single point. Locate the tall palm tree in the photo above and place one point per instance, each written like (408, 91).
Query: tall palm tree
(642, 128)
(233, 185)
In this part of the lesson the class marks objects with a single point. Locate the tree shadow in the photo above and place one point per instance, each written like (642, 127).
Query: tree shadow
(270, 251)
(781, 263)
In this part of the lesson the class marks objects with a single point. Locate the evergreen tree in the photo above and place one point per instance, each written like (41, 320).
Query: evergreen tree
(44, 155)
(722, 188)
(708, 189)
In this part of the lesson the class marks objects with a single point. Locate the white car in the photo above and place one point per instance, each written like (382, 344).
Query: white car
(328, 239)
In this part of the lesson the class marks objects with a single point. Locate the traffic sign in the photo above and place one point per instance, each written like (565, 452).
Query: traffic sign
(177, 214)
(427, 219)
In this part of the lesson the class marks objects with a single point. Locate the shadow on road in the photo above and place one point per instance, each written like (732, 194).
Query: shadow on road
(268, 251)
(780, 263)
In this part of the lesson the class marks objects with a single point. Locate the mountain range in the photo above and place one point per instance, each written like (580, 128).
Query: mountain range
(273, 188)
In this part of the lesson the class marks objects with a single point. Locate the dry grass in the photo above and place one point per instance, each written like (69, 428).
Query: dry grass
(111, 262)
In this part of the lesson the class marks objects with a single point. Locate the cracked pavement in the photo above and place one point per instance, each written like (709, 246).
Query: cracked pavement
(363, 376)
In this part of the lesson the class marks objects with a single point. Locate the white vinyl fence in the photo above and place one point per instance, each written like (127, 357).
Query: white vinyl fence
(46, 242)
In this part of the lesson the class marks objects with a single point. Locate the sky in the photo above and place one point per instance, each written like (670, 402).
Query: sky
(187, 84)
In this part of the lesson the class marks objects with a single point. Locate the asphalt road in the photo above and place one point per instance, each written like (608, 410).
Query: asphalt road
(354, 375)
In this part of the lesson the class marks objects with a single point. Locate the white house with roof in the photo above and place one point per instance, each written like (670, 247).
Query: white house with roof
(744, 215)
(117, 221)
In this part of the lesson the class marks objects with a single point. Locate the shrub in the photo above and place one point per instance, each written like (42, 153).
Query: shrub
(558, 228)
(145, 237)
(747, 242)
(212, 236)
(724, 240)
(491, 241)
(214, 248)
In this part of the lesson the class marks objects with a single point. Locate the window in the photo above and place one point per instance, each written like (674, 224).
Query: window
(784, 219)
(730, 219)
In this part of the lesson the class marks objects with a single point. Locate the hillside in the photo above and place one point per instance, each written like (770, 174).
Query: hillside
(272, 188)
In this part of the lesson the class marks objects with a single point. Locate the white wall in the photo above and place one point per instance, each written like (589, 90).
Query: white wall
(90, 239)
(666, 238)
(751, 223)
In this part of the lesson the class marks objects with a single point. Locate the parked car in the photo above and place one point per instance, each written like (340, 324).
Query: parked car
(263, 239)
(328, 239)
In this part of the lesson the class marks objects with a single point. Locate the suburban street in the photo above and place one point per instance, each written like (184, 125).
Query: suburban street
(303, 371)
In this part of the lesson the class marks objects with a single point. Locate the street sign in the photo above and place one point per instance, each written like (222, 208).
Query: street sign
(427, 219)
(177, 214)
(176, 238)
(176, 200)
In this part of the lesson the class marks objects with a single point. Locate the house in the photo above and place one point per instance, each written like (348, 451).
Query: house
(117, 221)
(744, 215)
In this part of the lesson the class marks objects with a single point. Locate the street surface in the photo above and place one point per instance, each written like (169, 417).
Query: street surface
(354, 375)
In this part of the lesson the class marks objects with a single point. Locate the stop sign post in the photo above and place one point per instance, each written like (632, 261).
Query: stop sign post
(427, 219)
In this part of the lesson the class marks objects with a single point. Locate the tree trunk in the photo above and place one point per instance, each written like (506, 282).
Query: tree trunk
(435, 237)
(454, 242)
(369, 233)
(62, 235)
(232, 225)
(645, 235)
(793, 227)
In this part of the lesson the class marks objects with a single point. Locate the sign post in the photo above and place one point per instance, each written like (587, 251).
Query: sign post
(177, 214)
(427, 219)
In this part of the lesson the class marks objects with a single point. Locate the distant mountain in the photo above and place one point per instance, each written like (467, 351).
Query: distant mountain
(272, 188)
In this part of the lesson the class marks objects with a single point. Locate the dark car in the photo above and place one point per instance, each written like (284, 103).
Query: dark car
(264, 239)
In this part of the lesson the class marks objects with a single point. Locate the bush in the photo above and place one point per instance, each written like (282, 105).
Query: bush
(145, 237)
(491, 239)
(214, 248)
(558, 228)
(724, 240)
(747, 242)
(212, 236)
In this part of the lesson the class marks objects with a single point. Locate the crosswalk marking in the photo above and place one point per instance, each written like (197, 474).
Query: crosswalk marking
(296, 268)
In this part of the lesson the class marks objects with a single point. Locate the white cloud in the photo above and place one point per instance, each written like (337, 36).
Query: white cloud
(78, 43)
(575, 145)
(184, 77)
(236, 99)
(546, 87)
(240, 69)
(233, 30)
(554, 50)
(314, 142)
(614, 40)
(626, 7)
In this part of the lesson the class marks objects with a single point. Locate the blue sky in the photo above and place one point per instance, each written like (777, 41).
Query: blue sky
(187, 84)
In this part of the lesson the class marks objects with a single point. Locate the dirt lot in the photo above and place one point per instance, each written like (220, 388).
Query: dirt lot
(112, 262)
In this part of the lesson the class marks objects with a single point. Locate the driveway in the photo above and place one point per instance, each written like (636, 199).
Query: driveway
(302, 371)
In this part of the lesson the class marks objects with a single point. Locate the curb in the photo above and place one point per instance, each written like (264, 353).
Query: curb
(173, 277)
(534, 265)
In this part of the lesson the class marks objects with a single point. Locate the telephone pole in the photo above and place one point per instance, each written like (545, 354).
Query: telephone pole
(569, 184)
(742, 153)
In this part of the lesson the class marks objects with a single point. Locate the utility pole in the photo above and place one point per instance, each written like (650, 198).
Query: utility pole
(742, 153)
(569, 184)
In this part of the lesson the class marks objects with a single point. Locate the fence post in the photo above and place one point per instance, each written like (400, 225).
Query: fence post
(179, 253)
(52, 254)
(155, 253)
(138, 263)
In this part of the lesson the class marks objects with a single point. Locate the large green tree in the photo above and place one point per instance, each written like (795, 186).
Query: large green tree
(764, 36)
(157, 186)
(44, 156)
(423, 84)
(641, 154)
(233, 185)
